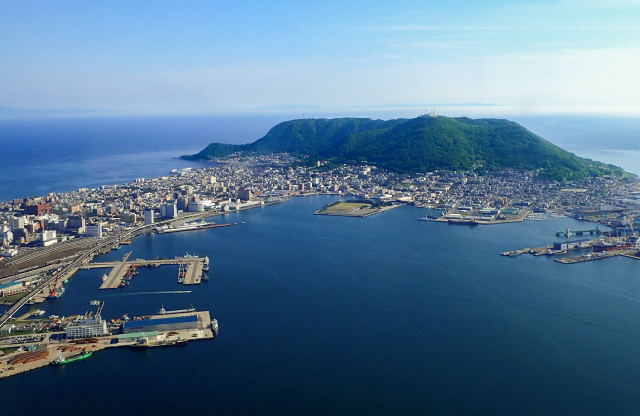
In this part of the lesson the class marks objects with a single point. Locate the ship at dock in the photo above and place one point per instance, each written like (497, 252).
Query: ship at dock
(144, 343)
(61, 360)
(190, 226)
(56, 291)
(471, 223)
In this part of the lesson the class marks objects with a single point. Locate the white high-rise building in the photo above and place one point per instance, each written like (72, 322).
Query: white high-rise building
(148, 216)
(94, 231)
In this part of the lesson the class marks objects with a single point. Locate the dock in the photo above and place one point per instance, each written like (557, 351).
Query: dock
(119, 269)
(194, 272)
(598, 256)
(47, 350)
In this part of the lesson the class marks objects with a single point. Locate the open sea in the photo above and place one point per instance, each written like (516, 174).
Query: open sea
(384, 315)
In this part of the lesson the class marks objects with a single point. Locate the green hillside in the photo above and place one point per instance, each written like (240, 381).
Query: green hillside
(418, 145)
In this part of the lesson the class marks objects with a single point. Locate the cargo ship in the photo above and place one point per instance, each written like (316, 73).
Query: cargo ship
(600, 247)
(61, 360)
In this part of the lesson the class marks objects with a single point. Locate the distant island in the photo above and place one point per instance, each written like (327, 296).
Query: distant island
(421, 144)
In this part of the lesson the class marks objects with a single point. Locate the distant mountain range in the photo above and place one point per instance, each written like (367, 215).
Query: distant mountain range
(418, 145)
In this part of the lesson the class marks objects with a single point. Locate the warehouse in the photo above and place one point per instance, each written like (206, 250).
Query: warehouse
(161, 324)
(569, 245)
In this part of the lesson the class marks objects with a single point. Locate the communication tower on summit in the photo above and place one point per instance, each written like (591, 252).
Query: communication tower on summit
(429, 113)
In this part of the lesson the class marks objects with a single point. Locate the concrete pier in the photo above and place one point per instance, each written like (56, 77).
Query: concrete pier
(119, 270)
(194, 272)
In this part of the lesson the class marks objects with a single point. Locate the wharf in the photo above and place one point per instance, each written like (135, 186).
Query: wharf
(598, 256)
(508, 220)
(194, 272)
(119, 270)
(66, 348)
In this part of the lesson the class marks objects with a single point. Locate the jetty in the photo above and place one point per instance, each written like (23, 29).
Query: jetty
(122, 269)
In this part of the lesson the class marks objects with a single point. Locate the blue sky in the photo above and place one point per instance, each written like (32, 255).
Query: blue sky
(154, 57)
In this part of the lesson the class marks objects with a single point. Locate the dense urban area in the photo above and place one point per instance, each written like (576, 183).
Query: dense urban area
(48, 238)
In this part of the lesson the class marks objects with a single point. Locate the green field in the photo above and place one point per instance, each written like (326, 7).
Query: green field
(343, 208)
(13, 298)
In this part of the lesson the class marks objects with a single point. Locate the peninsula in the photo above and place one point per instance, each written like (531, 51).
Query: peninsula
(423, 144)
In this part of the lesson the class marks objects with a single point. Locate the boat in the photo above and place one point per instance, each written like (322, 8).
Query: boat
(428, 218)
(163, 311)
(65, 282)
(54, 294)
(205, 264)
(61, 360)
(205, 278)
(144, 343)
(187, 256)
(40, 312)
(94, 303)
(104, 277)
(195, 225)
(214, 326)
(463, 222)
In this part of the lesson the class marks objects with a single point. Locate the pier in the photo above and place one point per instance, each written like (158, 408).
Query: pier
(119, 269)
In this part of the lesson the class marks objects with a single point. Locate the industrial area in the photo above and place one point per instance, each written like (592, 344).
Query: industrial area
(608, 244)
(64, 340)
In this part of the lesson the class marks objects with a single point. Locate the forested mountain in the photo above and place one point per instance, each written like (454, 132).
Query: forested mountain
(418, 145)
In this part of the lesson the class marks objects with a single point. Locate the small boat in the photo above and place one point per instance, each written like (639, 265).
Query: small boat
(205, 264)
(61, 360)
(214, 326)
(94, 303)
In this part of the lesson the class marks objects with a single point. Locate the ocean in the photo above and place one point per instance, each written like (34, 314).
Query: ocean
(379, 315)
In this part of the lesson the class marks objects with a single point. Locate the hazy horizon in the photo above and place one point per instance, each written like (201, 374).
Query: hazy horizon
(199, 58)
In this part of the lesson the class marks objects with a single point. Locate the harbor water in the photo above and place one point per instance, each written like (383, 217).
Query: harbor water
(379, 315)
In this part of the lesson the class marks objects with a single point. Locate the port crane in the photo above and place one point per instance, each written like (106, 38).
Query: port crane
(566, 232)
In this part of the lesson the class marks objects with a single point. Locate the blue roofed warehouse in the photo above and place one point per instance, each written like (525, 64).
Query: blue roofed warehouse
(161, 324)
